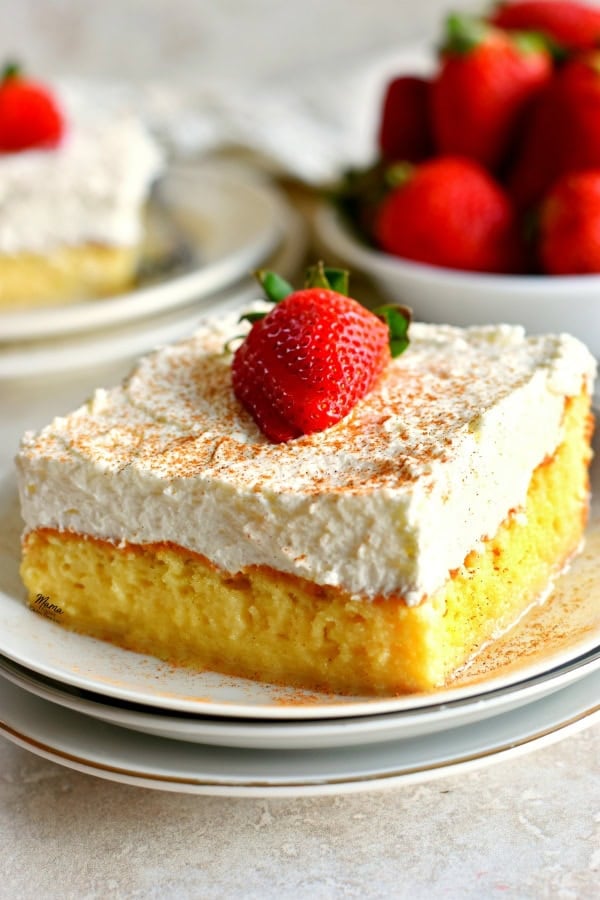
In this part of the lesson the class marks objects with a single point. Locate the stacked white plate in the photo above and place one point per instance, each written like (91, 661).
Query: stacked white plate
(98, 709)
(210, 225)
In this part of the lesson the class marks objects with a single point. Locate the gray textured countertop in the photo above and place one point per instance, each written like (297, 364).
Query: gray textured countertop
(528, 827)
(523, 829)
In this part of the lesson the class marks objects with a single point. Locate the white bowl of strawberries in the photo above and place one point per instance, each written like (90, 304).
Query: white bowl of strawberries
(484, 203)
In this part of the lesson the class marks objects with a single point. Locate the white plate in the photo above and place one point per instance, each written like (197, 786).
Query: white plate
(230, 220)
(69, 354)
(551, 635)
(117, 754)
(305, 735)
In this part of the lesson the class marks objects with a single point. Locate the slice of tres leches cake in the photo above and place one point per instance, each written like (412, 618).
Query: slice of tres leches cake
(375, 555)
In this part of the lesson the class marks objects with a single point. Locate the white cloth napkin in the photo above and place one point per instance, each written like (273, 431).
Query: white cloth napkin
(311, 128)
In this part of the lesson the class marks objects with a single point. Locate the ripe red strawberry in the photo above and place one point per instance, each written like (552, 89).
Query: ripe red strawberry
(486, 83)
(573, 26)
(306, 364)
(563, 134)
(405, 126)
(537, 159)
(29, 116)
(570, 225)
(450, 212)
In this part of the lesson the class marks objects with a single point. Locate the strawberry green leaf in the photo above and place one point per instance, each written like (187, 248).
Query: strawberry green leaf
(532, 42)
(338, 280)
(275, 287)
(398, 319)
(321, 276)
(252, 317)
(464, 34)
(530, 227)
(399, 174)
(358, 196)
(11, 69)
(230, 344)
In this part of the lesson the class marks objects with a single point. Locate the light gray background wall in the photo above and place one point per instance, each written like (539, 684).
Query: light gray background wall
(188, 39)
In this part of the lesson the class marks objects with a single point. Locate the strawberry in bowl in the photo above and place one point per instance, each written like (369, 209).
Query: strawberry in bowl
(449, 212)
(452, 218)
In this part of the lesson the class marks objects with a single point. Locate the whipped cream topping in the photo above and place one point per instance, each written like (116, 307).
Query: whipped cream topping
(384, 503)
(89, 189)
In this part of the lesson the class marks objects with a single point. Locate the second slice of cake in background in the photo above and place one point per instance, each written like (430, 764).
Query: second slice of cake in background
(74, 183)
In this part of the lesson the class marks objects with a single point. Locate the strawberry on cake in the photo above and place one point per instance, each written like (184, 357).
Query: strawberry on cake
(73, 189)
(333, 501)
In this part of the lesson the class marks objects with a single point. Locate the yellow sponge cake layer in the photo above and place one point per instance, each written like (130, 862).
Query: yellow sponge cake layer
(172, 603)
(67, 274)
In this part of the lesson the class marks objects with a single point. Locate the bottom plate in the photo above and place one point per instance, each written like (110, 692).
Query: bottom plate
(305, 734)
(86, 745)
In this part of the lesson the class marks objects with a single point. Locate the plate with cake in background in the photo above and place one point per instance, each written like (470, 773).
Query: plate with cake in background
(62, 355)
(482, 203)
(97, 228)
(318, 512)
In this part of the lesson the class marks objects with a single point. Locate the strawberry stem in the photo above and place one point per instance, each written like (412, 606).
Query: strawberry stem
(12, 69)
(464, 34)
(321, 276)
(275, 287)
(397, 319)
(252, 317)
(315, 277)
(533, 42)
(399, 174)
